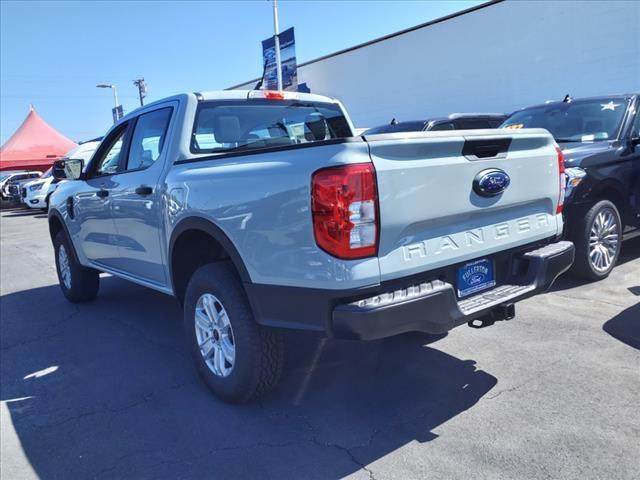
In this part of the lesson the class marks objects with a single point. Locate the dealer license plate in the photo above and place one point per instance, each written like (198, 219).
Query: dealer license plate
(475, 276)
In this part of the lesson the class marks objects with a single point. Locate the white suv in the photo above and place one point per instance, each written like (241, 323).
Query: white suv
(8, 178)
(37, 192)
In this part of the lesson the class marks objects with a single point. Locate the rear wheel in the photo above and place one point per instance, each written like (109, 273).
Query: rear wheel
(79, 284)
(238, 359)
(598, 239)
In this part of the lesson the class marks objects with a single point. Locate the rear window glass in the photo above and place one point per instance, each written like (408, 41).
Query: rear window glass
(223, 126)
(472, 123)
(442, 126)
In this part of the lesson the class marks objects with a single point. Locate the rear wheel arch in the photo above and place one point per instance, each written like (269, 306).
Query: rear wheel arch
(612, 191)
(194, 242)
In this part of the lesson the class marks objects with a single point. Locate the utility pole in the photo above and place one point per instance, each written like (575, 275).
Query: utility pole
(277, 43)
(142, 89)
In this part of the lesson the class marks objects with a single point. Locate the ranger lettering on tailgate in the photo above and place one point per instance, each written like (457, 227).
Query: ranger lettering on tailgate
(467, 239)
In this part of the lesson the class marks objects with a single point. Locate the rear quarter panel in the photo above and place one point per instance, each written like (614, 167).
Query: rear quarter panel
(262, 202)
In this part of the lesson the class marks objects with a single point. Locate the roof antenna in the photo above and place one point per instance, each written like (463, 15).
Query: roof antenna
(567, 98)
(261, 81)
(394, 121)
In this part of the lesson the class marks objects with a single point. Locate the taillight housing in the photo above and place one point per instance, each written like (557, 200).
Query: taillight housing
(562, 180)
(344, 205)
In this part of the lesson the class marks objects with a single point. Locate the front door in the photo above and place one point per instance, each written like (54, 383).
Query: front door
(92, 203)
(137, 202)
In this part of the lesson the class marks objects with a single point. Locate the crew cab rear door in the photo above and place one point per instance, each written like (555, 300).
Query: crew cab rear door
(432, 212)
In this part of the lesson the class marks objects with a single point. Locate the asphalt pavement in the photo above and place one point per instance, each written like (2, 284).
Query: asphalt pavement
(107, 389)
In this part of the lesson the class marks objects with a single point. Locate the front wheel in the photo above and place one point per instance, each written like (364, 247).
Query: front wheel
(598, 240)
(238, 359)
(79, 284)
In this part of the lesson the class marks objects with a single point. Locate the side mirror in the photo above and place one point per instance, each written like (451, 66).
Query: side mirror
(68, 169)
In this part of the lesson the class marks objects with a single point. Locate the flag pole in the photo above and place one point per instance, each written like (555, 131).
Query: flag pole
(277, 44)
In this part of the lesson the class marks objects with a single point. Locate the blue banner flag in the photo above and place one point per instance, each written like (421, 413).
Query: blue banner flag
(287, 60)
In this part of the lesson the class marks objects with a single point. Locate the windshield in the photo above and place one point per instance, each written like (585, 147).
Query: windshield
(578, 121)
(47, 174)
(243, 125)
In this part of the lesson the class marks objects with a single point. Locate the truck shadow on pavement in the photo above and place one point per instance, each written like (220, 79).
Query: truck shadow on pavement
(626, 326)
(107, 390)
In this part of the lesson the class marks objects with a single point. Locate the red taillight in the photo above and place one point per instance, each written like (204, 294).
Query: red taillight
(562, 180)
(273, 95)
(344, 204)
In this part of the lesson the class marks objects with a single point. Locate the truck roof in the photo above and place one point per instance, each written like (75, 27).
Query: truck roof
(231, 95)
(244, 94)
(240, 95)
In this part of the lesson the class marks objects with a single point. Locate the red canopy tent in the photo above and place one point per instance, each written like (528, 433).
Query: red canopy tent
(33, 146)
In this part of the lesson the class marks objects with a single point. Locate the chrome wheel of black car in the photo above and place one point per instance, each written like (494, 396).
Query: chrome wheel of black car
(597, 235)
(604, 241)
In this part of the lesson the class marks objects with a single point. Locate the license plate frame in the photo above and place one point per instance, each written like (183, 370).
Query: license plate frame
(475, 276)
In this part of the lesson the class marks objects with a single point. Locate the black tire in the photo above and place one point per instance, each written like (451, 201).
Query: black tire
(84, 282)
(259, 351)
(583, 267)
(46, 202)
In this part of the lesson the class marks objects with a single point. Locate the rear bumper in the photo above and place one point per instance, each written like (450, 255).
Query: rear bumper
(432, 307)
(426, 303)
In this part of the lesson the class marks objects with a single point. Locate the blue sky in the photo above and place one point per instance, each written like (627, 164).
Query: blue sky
(52, 54)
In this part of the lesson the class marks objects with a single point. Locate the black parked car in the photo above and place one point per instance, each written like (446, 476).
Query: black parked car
(600, 140)
(455, 121)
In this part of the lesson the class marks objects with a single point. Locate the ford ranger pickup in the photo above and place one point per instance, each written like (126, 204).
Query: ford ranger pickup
(261, 211)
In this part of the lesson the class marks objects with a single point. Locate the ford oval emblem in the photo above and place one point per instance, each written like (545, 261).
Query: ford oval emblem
(491, 182)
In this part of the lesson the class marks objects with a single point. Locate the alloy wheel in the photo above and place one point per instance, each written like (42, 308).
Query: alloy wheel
(604, 241)
(215, 335)
(65, 268)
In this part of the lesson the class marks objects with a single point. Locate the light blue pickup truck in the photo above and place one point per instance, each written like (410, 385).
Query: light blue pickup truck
(261, 210)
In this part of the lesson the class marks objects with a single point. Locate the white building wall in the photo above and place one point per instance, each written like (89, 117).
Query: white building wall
(496, 59)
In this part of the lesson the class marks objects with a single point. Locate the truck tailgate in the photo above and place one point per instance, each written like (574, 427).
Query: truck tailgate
(430, 215)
